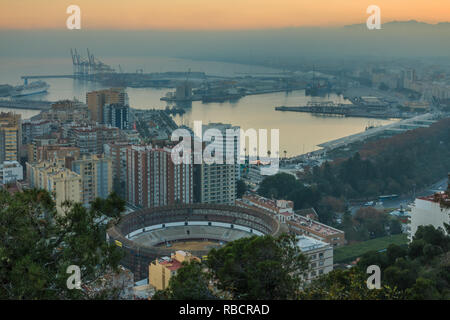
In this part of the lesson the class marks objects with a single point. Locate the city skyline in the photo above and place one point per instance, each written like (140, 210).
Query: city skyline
(218, 15)
(199, 150)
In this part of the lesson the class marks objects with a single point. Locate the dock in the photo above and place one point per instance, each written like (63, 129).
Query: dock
(323, 109)
(49, 76)
(26, 104)
(421, 121)
(345, 110)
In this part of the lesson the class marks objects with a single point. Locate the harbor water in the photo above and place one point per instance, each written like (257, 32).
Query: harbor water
(299, 132)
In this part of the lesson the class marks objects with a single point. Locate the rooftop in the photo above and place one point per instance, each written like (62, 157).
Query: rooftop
(171, 264)
(174, 262)
(281, 204)
(437, 197)
(314, 225)
(308, 243)
(10, 164)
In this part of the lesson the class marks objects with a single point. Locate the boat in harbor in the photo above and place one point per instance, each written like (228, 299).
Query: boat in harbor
(5, 90)
(28, 89)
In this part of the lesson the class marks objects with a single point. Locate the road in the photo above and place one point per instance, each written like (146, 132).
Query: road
(403, 201)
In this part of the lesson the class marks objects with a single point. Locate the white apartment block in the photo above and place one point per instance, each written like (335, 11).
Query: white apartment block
(428, 211)
(10, 171)
(320, 254)
(218, 181)
(62, 183)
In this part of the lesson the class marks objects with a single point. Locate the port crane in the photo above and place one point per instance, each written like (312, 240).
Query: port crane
(86, 67)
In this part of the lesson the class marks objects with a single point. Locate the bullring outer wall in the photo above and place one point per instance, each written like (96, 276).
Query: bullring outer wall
(137, 257)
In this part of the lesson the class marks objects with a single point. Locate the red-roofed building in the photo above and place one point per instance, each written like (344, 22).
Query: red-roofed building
(282, 209)
(300, 222)
(161, 270)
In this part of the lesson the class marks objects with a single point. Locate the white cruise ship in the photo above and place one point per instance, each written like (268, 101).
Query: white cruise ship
(32, 88)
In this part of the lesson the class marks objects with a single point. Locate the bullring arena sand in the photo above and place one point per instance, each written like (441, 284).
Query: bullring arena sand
(192, 245)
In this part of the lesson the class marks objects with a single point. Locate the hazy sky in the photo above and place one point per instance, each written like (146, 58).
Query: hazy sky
(213, 14)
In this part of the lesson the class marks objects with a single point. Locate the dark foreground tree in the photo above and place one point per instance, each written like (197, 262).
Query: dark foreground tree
(347, 285)
(419, 270)
(259, 267)
(37, 245)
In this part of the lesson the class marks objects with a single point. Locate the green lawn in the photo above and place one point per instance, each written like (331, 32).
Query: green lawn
(353, 251)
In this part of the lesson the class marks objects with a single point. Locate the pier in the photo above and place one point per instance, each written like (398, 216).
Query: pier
(26, 104)
(421, 121)
(330, 108)
(49, 76)
(322, 109)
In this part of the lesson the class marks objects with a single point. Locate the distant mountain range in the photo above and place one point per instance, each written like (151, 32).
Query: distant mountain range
(402, 24)
(398, 39)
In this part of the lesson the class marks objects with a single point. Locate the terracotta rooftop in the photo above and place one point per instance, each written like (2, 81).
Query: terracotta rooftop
(171, 264)
(437, 197)
(315, 226)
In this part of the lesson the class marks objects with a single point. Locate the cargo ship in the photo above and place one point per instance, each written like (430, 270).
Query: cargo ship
(35, 87)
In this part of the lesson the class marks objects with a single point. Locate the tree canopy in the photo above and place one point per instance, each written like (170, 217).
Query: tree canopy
(37, 245)
(253, 268)
(393, 165)
(268, 268)
(420, 270)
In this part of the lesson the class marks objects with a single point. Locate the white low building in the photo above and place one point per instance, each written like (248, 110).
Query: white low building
(429, 211)
(10, 171)
(320, 254)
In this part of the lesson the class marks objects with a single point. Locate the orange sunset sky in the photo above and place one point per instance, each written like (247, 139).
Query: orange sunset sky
(213, 14)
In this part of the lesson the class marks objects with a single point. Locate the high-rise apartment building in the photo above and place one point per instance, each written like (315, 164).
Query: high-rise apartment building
(90, 139)
(96, 100)
(216, 183)
(154, 180)
(32, 129)
(117, 152)
(63, 184)
(116, 115)
(96, 177)
(10, 136)
(66, 111)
